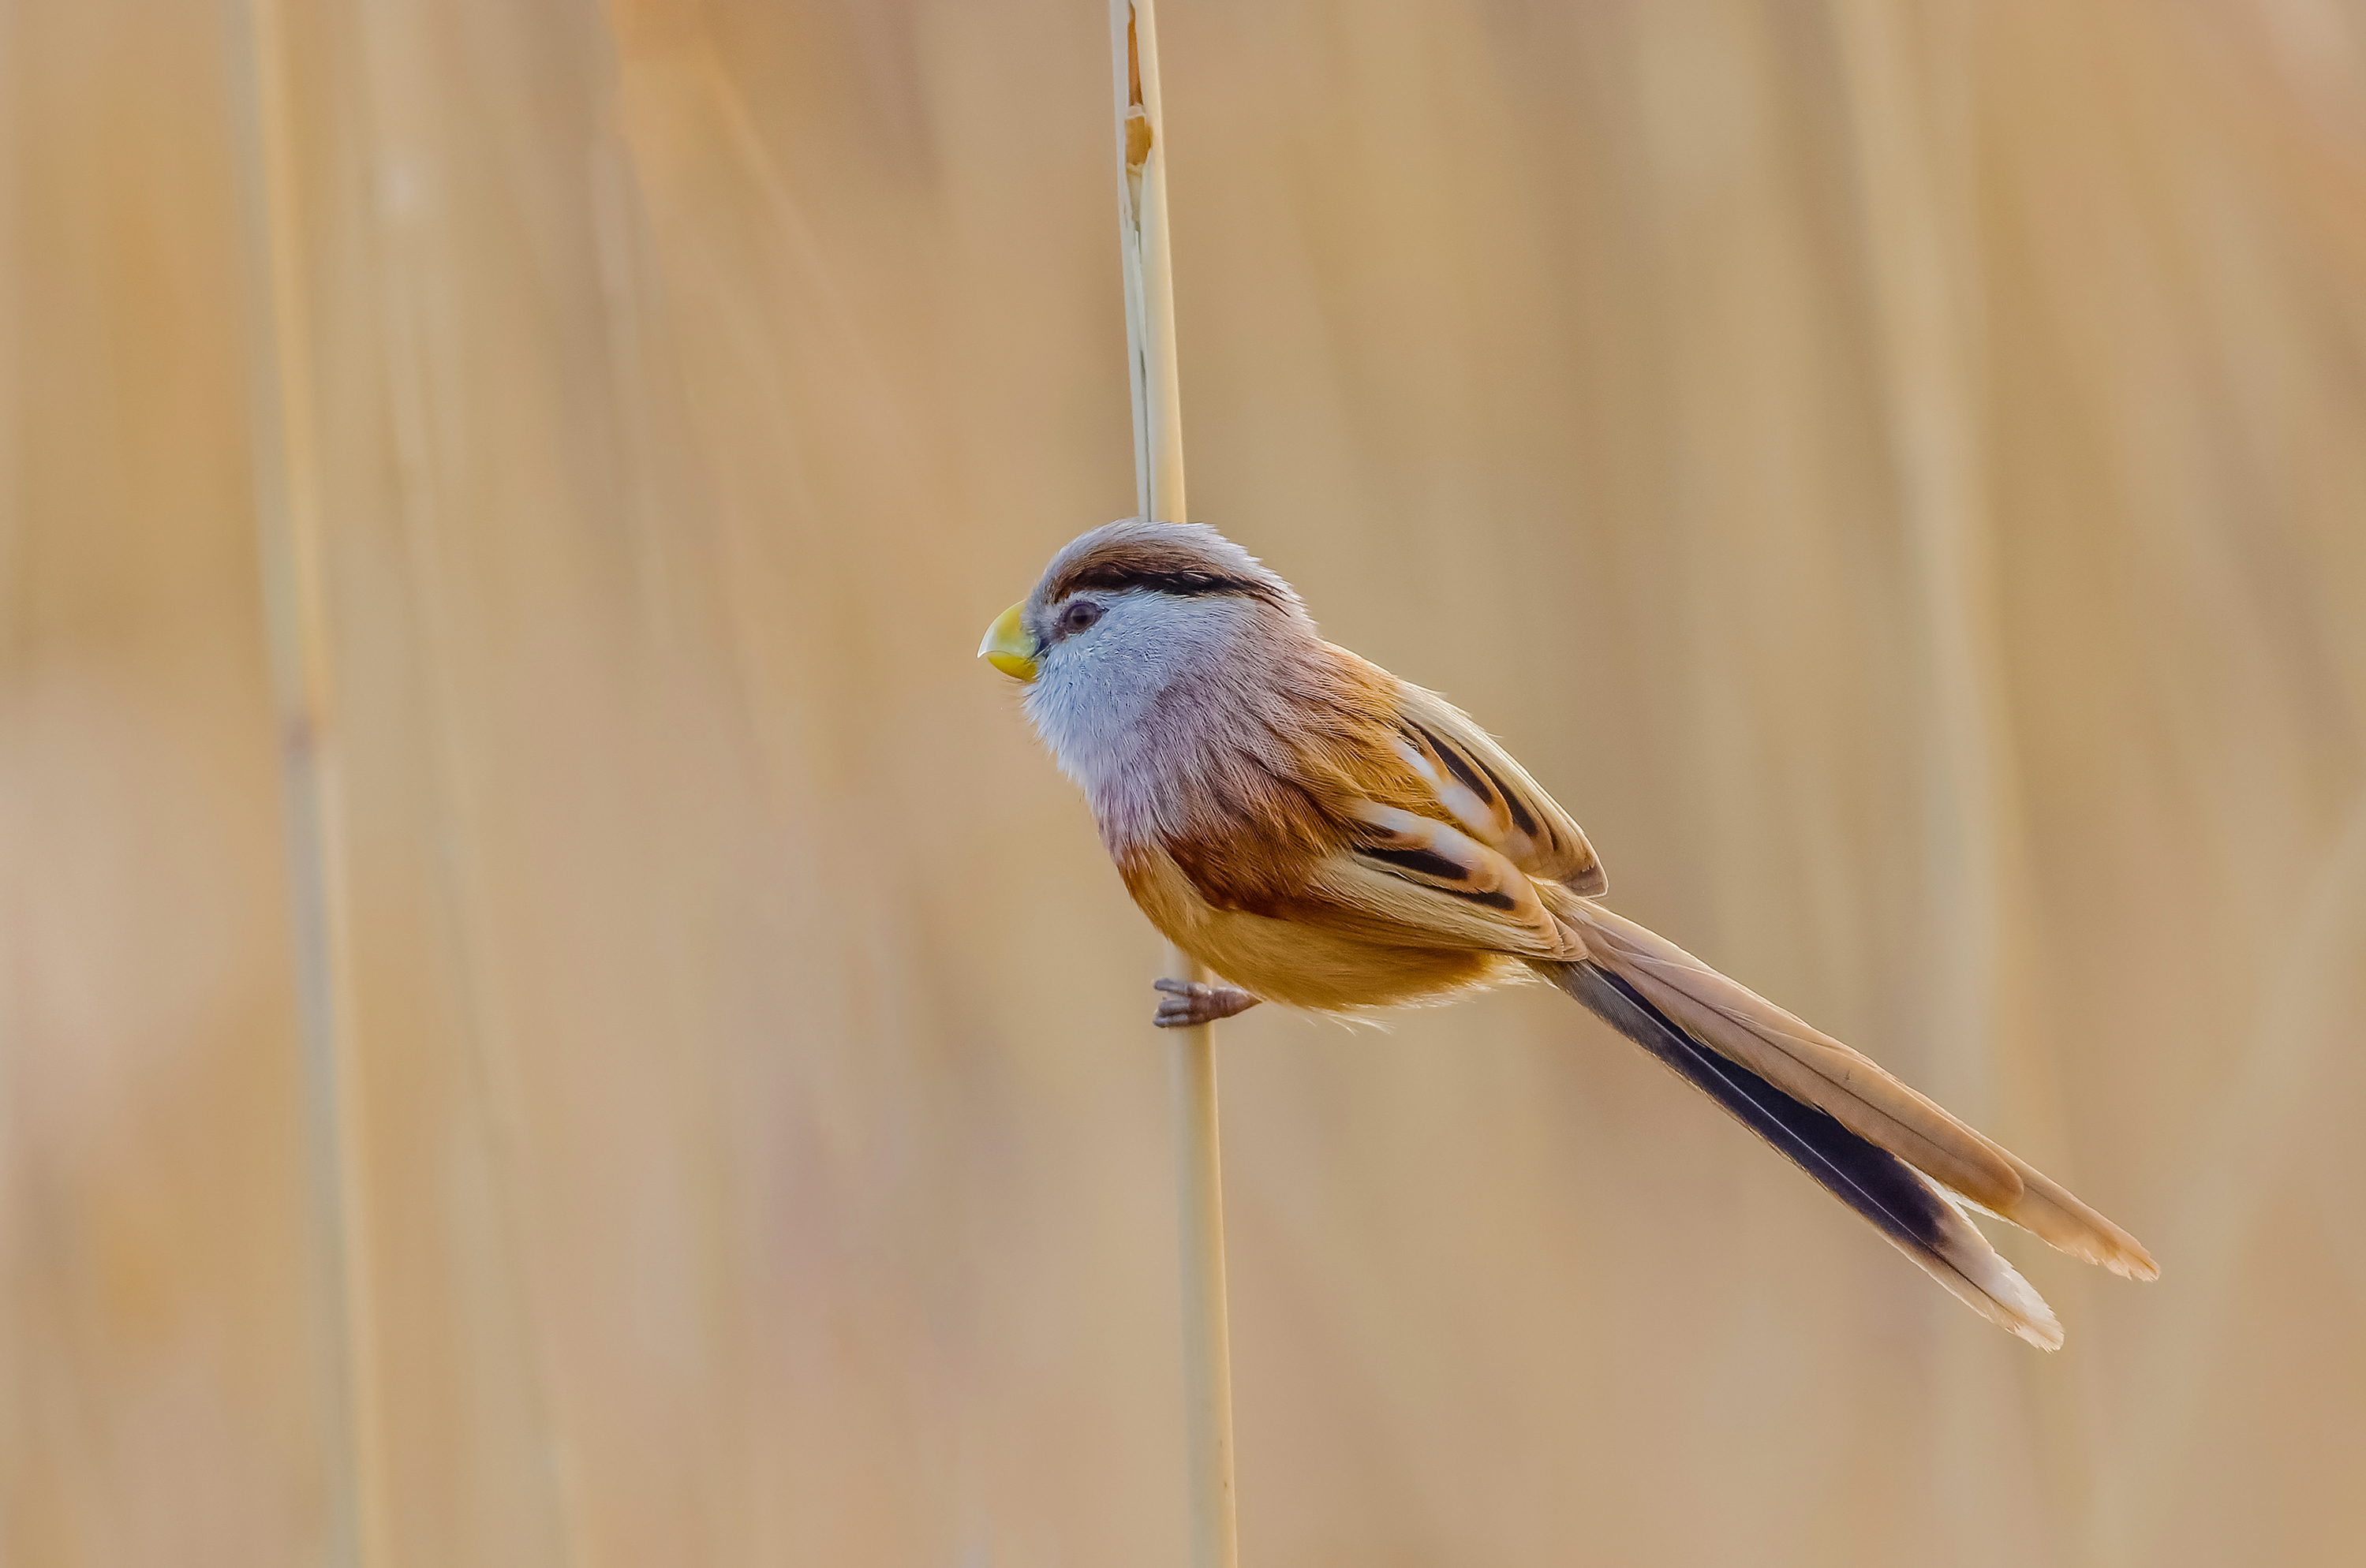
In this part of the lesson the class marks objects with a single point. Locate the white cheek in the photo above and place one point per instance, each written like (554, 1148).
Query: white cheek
(1098, 690)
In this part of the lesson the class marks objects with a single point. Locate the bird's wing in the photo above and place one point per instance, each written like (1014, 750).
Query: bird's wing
(1442, 836)
(1384, 875)
(1490, 795)
(1381, 811)
(1408, 880)
(1353, 822)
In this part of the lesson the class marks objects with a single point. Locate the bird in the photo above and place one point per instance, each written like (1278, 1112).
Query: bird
(1324, 836)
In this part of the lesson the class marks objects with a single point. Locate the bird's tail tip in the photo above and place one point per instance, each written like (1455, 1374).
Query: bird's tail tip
(2006, 1299)
(2137, 1265)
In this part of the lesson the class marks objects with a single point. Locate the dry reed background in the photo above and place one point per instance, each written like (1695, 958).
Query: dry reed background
(1898, 471)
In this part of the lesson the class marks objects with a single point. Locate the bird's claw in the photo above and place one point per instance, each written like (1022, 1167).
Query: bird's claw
(1188, 1004)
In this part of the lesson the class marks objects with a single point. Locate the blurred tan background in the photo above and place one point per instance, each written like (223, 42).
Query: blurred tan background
(1897, 471)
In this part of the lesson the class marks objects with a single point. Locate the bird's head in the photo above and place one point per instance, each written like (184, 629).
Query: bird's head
(1124, 611)
(1133, 592)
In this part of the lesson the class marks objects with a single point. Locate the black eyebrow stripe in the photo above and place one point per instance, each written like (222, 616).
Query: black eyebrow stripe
(1115, 579)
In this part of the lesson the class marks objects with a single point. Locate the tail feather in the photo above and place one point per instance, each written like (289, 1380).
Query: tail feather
(2048, 1212)
(1918, 1219)
(1804, 1062)
(1746, 1029)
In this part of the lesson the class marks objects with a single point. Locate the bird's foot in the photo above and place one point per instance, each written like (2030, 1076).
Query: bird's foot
(1190, 1003)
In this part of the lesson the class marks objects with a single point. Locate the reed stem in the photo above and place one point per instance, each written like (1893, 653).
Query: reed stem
(289, 542)
(1158, 493)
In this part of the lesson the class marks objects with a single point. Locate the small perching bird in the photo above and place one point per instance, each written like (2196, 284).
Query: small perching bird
(1322, 834)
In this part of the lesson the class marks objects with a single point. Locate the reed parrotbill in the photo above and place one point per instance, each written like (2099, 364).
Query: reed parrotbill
(1322, 834)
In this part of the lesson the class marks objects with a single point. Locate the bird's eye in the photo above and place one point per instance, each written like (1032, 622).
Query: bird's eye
(1079, 614)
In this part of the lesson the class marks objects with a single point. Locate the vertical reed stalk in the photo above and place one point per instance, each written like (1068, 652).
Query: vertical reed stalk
(416, 321)
(1158, 493)
(289, 542)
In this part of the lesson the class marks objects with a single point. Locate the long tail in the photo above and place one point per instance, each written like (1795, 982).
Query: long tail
(1877, 1145)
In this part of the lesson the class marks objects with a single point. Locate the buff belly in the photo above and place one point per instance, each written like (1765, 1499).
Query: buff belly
(1298, 965)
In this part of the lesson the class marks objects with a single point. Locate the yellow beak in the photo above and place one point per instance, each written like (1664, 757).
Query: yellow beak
(1008, 647)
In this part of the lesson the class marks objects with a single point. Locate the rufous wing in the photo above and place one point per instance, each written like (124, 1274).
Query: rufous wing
(1397, 822)
(1409, 880)
(1492, 797)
